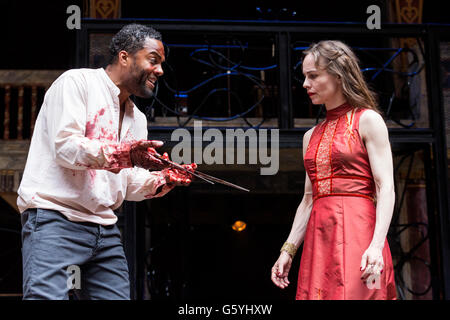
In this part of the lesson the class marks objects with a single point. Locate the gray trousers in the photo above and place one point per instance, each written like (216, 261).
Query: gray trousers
(59, 255)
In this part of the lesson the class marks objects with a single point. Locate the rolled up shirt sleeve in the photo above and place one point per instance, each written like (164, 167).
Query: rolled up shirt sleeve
(67, 125)
(143, 184)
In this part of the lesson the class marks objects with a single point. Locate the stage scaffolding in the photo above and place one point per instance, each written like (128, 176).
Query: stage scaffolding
(247, 74)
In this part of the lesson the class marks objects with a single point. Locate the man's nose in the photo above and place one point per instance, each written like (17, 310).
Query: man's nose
(159, 70)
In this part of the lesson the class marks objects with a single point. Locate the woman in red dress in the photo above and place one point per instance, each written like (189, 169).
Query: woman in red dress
(348, 161)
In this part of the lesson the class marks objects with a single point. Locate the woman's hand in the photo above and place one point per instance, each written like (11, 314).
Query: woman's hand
(372, 263)
(280, 270)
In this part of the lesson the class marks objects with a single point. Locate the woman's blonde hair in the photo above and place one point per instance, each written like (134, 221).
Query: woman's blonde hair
(339, 60)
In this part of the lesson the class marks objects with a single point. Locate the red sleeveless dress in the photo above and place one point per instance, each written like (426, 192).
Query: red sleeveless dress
(342, 220)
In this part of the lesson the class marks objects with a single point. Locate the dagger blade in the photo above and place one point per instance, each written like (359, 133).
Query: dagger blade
(207, 176)
(203, 176)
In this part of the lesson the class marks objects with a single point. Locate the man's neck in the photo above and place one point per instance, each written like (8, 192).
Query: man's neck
(114, 74)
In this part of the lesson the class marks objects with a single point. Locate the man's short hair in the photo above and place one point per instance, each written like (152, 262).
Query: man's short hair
(131, 38)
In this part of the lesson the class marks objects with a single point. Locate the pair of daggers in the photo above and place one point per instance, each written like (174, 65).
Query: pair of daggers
(202, 176)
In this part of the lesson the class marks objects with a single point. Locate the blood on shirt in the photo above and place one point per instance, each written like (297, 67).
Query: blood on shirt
(92, 174)
(100, 132)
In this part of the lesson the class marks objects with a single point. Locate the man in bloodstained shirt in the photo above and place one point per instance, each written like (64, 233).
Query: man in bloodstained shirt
(89, 152)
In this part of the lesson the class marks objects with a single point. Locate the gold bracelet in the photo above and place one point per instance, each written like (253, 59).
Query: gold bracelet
(290, 248)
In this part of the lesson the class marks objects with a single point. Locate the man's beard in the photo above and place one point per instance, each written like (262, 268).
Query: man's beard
(139, 87)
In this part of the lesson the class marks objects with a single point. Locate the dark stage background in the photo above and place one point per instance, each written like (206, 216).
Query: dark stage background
(34, 33)
(187, 249)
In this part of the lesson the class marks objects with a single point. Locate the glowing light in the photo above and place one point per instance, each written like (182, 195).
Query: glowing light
(239, 225)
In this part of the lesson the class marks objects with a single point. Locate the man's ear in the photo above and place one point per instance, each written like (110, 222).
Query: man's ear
(123, 58)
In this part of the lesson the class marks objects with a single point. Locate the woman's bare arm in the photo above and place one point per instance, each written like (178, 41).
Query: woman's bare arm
(301, 219)
(280, 270)
(374, 133)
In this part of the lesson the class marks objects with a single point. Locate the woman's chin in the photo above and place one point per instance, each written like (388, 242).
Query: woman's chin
(316, 101)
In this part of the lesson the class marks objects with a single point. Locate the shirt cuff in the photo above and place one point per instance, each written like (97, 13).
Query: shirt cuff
(119, 156)
(159, 188)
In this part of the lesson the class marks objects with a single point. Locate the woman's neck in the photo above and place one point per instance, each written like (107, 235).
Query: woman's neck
(335, 103)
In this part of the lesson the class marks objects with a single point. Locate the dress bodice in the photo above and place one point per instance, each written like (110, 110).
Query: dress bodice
(336, 159)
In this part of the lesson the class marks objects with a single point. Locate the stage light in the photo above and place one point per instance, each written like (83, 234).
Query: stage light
(239, 225)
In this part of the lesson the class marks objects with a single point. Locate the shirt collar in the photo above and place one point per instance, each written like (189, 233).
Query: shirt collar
(111, 85)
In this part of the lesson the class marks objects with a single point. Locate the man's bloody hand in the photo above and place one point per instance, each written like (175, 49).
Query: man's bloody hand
(141, 155)
(176, 177)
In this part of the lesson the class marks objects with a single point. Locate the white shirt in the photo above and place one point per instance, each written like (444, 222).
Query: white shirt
(74, 144)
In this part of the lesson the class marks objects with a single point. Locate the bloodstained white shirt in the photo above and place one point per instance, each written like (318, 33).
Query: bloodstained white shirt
(76, 148)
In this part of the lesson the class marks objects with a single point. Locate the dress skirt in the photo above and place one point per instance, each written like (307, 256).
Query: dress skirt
(340, 229)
